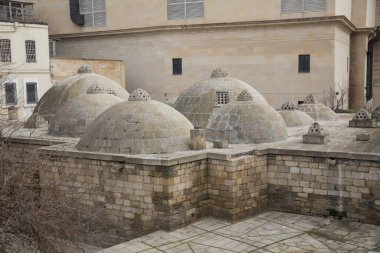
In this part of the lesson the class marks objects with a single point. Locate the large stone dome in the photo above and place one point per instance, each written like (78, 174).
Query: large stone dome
(138, 126)
(293, 117)
(75, 86)
(199, 101)
(317, 111)
(74, 117)
(246, 121)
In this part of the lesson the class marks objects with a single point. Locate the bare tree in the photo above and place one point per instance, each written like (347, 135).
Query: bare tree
(337, 100)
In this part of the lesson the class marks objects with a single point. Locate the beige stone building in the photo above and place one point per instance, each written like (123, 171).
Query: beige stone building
(286, 49)
(24, 59)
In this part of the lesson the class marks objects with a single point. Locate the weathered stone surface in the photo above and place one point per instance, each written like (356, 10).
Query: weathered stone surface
(220, 144)
(316, 110)
(73, 118)
(294, 118)
(199, 101)
(246, 121)
(35, 121)
(77, 85)
(363, 137)
(197, 139)
(362, 119)
(138, 127)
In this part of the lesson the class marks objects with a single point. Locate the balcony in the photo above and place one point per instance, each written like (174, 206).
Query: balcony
(16, 11)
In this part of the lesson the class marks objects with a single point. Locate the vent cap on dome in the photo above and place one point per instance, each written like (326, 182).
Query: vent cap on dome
(287, 106)
(139, 95)
(316, 129)
(309, 99)
(86, 68)
(219, 73)
(96, 89)
(245, 96)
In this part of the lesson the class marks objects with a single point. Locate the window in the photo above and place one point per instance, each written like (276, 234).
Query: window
(304, 64)
(10, 93)
(94, 12)
(185, 9)
(293, 6)
(30, 49)
(222, 98)
(5, 51)
(177, 66)
(31, 92)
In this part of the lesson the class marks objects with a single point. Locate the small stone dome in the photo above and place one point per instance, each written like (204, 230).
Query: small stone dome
(316, 110)
(246, 121)
(74, 117)
(294, 118)
(75, 86)
(199, 101)
(138, 126)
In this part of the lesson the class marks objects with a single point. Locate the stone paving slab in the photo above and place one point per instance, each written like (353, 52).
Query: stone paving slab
(269, 232)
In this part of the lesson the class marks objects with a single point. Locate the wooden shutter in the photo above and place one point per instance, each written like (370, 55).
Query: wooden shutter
(176, 9)
(194, 9)
(314, 5)
(291, 6)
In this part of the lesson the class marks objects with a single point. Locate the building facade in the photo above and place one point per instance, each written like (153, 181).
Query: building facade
(286, 49)
(24, 60)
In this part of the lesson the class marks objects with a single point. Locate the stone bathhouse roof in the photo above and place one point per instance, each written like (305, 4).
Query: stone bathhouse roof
(199, 101)
(293, 117)
(246, 121)
(316, 110)
(73, 118)
(74, 86)
(139, 126)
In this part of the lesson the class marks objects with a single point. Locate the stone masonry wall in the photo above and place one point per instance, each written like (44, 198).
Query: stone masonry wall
(316, 186)
(142, 198)
(237, 188)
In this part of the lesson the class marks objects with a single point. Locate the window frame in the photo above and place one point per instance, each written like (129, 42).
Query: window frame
(28, 60)
(304, 69)
(31, 80)
(10, 51)
(93, 12)
(303, 8)
(185, 7)
(177, 71)
(217, 93)
(3, 102)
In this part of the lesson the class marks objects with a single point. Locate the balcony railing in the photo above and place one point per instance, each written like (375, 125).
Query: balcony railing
(16, 11)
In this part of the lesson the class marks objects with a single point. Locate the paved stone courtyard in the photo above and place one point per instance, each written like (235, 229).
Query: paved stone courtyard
(270, 232)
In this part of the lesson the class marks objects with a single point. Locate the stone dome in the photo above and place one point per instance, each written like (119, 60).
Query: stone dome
(293, 117)
(199, 101)
(246, 121)
(316, 110)
(75, 86)
(138, 126)
(74, 117)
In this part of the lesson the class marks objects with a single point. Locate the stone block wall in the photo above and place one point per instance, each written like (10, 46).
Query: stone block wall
(312, 185)
(237, 188)
(143, 198)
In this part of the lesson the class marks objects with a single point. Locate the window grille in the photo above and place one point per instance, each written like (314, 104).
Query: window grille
(222, 98)
(94, 12)
(185, 9)
(31, 93)
(52, 50)
(294, 6)
(177, 66)
(10, 92)
(304, 64)
(30, 49)
(5, 50)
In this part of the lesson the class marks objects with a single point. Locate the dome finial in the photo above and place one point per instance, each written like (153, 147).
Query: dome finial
(219, 73)
(309, 99)
(96, 89)
(139, 95)
(287, 106)
(316, 129)
(245, 96)
(85, 68)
